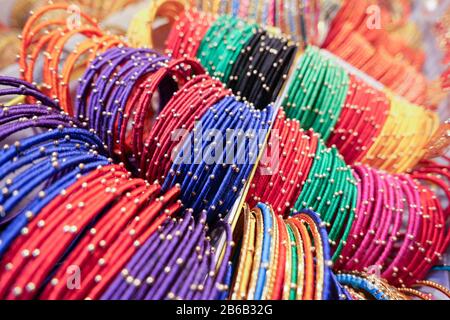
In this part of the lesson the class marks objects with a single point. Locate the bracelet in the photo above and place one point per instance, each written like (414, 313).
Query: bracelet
(140, 30)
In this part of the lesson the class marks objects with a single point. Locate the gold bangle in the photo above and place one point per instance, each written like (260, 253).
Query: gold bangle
(240, 283)
(257, 254)
(415, 293)
(140, 31)
(434, 285)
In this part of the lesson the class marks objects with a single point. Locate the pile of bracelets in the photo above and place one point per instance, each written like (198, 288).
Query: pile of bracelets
(319, 92)
(237, 165)
(250, 60)
(284, 259)
(300, 19)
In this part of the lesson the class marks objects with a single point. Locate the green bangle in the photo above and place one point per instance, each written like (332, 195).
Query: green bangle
(294, 263)
(222, 44)
(330, 190)
(317, 93)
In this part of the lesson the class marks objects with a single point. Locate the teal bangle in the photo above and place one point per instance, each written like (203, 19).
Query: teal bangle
(317, 92)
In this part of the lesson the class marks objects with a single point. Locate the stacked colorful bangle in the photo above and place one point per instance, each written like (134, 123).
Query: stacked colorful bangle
(284, 166)
(107, 88)
(297, 18)
(170, 123)
(64, 152)
(222, 44)
(183, 109)
(369, 287)
(320, 93)
(284, 259)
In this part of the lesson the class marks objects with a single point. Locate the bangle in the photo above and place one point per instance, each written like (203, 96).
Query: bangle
(189, 168)
(399, 145)
(267, 248)
(181, 112)
(140, 30)
(317, 92)
(363, 116)
(187, 33)
(435, 286)
(296, 149)
(330, 188)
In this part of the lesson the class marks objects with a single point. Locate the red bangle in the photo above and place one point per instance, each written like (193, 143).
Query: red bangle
(187, 33)
(297, 151)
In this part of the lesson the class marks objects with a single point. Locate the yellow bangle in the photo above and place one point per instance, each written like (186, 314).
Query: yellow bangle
(240, 283)
(440, 142)
(404, 138)
(257, 254)
(140, 30)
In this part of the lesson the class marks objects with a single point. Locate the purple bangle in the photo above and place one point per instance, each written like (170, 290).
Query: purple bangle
(106, 87)
(219, 280)
(193, 238)
(20, 117)
(191, 275)
(21, 87)
(154, 255)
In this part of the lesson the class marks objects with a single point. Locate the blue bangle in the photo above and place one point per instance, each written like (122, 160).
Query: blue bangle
(205, 185)
(34, 208)
(328, 294)
(265, 251)
(362, 284)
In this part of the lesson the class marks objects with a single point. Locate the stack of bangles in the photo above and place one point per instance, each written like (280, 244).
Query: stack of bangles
(96, 213)
(284, 259)
(230, 176)
(368, 49)
(360, 120)
(299, 19)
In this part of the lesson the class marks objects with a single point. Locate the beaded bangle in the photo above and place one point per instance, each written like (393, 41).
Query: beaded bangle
(377, 288)
(330, 188)
(400, 147)
(201, 286)
(299, 271)
(316, 95)
(363, 116)
(222, 44)
(187, 33)
(188, 105)
(232, 169)
(287, 175)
